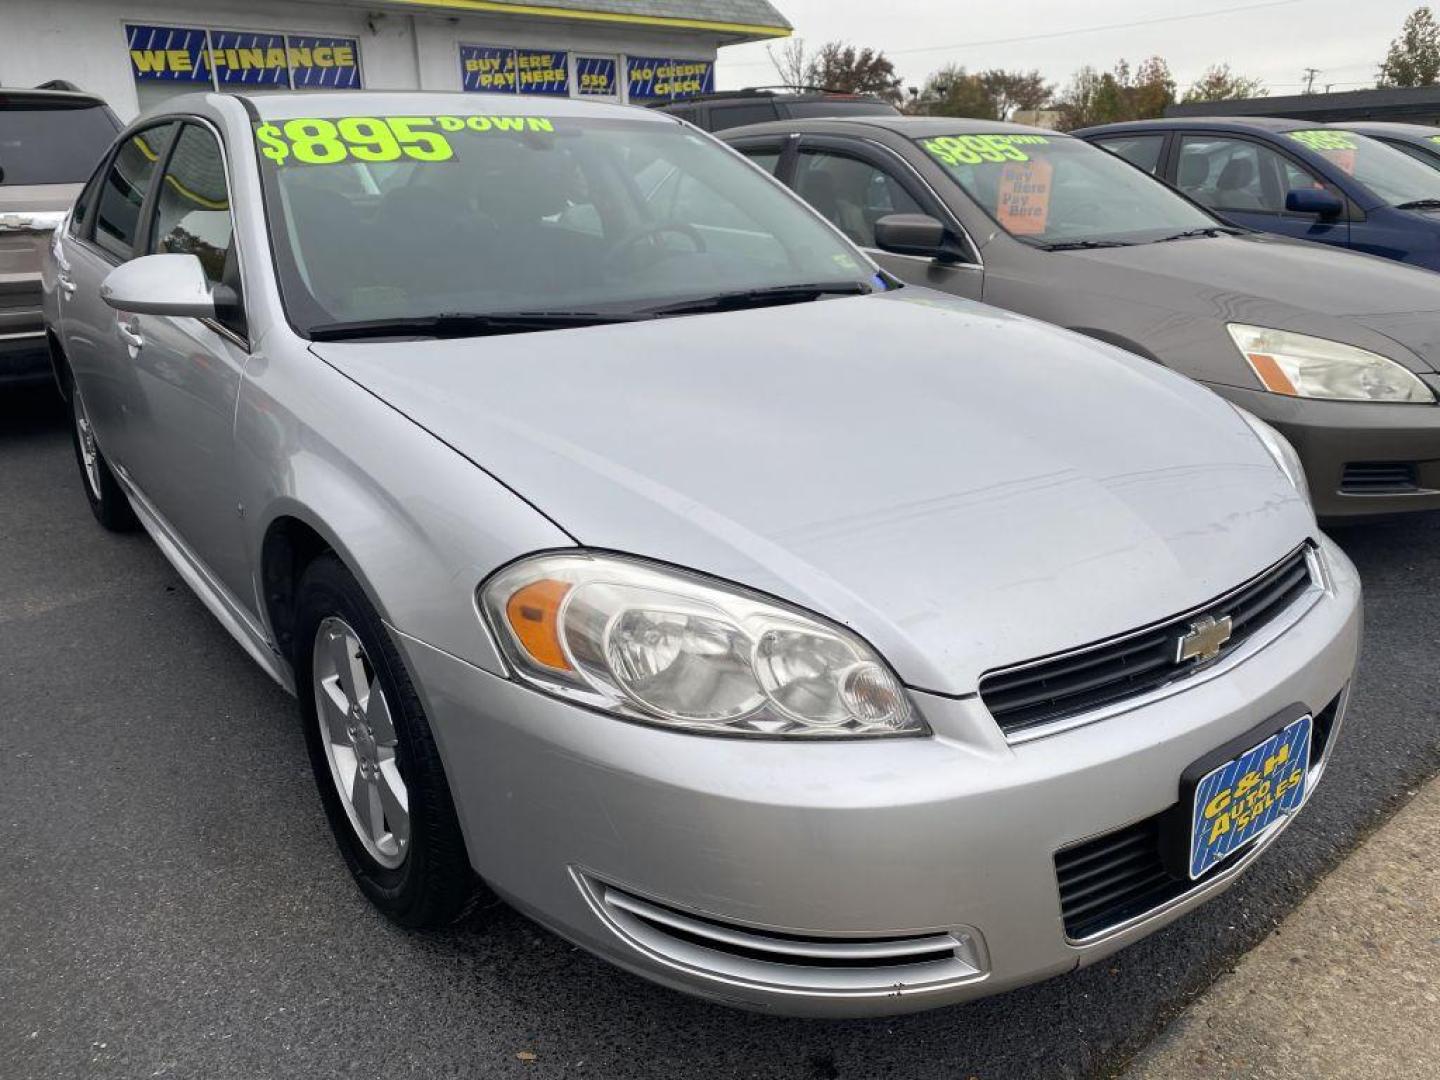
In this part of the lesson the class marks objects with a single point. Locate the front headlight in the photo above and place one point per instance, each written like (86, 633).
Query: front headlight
(1298, 365)
(1280, 449)
(669, 647)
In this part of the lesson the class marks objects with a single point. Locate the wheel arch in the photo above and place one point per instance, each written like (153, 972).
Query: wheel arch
(59, 363)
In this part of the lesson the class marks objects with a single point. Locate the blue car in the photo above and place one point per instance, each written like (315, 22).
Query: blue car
(1327, 184)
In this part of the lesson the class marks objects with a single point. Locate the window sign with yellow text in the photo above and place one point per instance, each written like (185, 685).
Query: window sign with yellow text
(246, 58)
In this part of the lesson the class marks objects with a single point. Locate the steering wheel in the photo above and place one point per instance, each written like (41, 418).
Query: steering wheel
(626, 244)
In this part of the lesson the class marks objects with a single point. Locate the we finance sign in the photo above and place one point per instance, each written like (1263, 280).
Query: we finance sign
(226, 57)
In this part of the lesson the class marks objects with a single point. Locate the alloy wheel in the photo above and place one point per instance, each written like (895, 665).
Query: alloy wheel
(358, 733)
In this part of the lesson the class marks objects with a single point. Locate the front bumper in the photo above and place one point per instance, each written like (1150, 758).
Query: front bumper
(648, 846)
(1332, 436)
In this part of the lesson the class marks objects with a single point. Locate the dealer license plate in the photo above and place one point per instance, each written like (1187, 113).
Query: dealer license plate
(1243, 797)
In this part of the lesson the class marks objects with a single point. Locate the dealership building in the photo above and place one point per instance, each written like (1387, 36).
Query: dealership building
(137, 53)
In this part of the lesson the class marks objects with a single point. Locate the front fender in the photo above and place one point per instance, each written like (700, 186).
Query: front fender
(417, 524)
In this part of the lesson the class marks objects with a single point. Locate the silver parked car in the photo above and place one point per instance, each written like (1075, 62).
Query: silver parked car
(784, 634)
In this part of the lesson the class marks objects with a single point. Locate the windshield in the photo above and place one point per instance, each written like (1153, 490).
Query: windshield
(52, 146)
(398, 218)
(1394, 177)
(1052, 189)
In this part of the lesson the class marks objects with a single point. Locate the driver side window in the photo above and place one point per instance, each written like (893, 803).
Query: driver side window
(192, 213)
(852, 194)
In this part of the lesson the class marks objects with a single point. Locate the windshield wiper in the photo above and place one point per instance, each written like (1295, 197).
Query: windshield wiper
(463, 324)
(1208, 230)
(753, 298)
(1083, 245)
(1419, 204)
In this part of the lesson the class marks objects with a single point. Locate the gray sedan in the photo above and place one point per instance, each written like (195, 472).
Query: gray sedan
(1337, 350)
(635, 545)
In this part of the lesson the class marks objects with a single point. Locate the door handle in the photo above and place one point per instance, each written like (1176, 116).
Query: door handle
(130, 334)
(67, 286)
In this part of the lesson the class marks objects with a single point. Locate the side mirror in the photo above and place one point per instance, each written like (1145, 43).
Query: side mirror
(1314, 201)
(911, 234)
(160, 285)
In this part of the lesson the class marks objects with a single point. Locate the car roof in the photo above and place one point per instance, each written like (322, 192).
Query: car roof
(291, 104)
(1364, 127)
(765, 93)
(1269, 124)
(35, 97)
(910, 127)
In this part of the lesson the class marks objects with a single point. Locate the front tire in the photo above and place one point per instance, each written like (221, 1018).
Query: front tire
(375, 760)
(107, 501)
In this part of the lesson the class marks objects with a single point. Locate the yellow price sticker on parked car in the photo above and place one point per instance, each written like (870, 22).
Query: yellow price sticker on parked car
(979, 149)
(315, 140)
(1325, 140)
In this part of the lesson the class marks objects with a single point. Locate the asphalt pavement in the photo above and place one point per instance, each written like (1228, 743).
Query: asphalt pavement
(172, 904)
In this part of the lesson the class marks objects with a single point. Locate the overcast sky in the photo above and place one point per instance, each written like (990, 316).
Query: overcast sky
(1274, 41)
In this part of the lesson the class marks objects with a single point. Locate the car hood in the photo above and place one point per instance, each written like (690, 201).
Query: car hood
(1274, 281)
(963, 487)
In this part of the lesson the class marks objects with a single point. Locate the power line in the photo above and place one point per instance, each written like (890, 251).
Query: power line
(1078, 30)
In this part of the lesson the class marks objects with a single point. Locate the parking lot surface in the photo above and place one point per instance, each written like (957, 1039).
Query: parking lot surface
(172, 902)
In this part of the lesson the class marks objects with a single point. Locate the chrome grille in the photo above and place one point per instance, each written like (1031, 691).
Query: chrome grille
(1044, 691)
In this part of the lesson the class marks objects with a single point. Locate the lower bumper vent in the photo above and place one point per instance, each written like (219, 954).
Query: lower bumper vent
(1380, 478)
(788, 961)
(1116, 877)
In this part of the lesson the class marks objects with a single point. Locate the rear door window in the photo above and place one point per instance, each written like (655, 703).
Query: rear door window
(1142, 151)
(117, 218)
(733, 116)
(52, 146)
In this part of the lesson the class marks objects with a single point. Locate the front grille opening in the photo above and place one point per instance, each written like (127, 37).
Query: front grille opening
(1116, 877)
(1380, 478)
(891, 964)
(1042, 692)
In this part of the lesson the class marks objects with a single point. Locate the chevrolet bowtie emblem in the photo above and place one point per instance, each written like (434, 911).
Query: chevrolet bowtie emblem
(1204, 640)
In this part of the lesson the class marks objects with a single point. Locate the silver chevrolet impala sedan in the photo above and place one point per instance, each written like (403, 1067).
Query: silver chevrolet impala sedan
(638, 548)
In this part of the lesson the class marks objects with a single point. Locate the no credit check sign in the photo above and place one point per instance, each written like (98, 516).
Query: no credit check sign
(331, 140)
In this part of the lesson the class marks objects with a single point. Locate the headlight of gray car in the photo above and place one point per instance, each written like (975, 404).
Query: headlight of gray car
(1280, 449)
(651, 643)
(1298, 365)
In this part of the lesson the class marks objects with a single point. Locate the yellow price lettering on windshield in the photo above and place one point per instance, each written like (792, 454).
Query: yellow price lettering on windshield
(329, 141)
(1325, 140)
(981, 149)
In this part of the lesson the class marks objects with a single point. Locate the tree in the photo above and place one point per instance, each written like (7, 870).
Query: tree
(792, 63)
(953, 91)
(840, 66)
(1094, 97)
(985, 95)
(1414, 57)
(1219, 83)
(1012, 90)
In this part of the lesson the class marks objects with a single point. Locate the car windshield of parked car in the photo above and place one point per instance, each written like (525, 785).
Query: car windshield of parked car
(1394, 177)
(414, 217)
(1056, 191)
(49, 145)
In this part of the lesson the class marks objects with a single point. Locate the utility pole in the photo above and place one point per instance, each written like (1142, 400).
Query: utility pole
(1310, 74)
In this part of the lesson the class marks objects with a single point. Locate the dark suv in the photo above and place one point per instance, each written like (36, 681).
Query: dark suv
(50, 141)
(716, 112)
